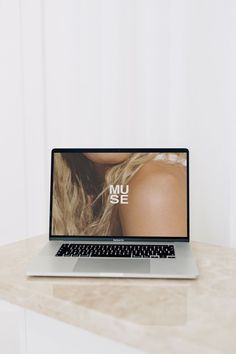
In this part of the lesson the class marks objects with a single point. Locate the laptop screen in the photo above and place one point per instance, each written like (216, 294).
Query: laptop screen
(119, 193)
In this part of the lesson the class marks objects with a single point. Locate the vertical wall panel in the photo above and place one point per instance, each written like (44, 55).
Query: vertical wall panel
(231, 111)
(12, 175)
(36, 154)
(107, 72)
(73, 94)
(199, 110)
(24, 192)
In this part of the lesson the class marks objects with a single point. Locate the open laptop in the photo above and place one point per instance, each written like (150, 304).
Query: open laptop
(118, 213)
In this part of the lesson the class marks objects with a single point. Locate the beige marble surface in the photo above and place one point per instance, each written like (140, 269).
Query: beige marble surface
(155, 315)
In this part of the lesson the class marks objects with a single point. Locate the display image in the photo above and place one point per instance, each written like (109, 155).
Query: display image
(119, 194)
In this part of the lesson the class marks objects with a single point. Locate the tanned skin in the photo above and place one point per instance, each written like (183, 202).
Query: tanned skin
(157, 202)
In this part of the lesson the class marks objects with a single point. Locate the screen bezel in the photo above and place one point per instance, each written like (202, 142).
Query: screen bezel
(120, 238)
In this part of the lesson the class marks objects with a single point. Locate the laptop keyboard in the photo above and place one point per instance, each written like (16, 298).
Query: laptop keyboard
(116, 250)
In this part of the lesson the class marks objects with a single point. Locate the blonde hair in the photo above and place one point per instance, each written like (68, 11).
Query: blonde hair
(81, 204)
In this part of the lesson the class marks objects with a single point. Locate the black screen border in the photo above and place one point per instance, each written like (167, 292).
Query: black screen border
(121, 238)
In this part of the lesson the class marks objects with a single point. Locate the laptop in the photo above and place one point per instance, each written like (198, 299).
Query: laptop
(118, 213)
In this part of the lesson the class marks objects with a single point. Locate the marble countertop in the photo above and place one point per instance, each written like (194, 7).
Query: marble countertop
(154, 315)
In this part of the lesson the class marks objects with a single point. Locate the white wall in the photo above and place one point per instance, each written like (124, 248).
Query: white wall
(13, 162)
(118, 73)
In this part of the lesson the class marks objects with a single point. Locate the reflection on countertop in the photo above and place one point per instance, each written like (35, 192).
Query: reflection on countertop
(149, 305)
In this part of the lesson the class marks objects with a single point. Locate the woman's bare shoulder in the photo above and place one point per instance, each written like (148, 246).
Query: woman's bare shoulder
(155, 188)
(156, 174)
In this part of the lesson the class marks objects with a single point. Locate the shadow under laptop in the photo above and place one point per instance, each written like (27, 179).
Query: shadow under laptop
(143, 304)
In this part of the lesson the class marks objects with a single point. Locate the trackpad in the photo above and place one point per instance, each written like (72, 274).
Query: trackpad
(95, 265)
